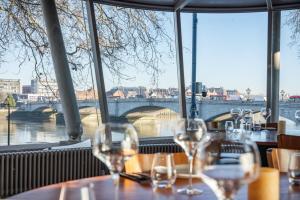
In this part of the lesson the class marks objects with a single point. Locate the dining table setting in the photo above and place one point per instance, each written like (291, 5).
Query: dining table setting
(102, 187)
(219, 165)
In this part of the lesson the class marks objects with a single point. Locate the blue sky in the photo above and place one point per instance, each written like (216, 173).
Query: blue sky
(231, 52)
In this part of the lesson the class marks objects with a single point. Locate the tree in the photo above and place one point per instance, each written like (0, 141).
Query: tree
(10, 101)
(129, 38)
(293, 21)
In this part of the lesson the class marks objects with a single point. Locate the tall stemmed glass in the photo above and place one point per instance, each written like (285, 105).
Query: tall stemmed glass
(248, 119)
(247, 116)
(266, 114)
(188, 134)
(228, 164)
(114, 144)
(236, 113)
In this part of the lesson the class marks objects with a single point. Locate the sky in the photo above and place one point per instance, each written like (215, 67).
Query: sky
(231, 52)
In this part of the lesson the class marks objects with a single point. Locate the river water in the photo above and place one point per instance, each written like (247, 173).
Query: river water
(149, 125)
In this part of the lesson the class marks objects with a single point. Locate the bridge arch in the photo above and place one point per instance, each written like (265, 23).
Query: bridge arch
(225, 116)
(44, 109)
(86, 106)
(149, 108)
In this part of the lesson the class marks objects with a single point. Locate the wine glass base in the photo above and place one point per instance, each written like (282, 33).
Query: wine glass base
(189, 191)
(265, 131)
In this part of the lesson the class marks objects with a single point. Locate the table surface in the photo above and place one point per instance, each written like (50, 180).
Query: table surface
(102, 188)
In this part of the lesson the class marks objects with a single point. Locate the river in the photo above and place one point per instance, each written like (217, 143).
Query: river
(147, 124)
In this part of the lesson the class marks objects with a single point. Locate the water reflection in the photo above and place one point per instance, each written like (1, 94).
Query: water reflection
(147, 124)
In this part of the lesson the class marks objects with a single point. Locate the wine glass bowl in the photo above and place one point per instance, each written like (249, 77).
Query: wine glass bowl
(266, 114)
(114, 144)
(228, 164)
(163, 171)
(248, 115)
(188, 133)
(236, 114)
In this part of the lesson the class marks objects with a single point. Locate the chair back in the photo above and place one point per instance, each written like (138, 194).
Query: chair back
(279, 158)
(270, 126)
(288, 141)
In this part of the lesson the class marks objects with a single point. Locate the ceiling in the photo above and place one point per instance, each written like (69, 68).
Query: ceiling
(217, 6)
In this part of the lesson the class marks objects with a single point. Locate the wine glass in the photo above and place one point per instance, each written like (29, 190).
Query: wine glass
(188, 134)
(226, 165)
(294, 169)
(229, 127)
(265, 113)
(247, 116)
(114, 144)
(163, 172)
(236, 114)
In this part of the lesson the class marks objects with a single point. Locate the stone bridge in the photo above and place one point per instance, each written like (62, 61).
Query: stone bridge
(207, 109)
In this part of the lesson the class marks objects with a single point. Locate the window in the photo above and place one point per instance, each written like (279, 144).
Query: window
(289, 70)
(231, 62)
(141, 75)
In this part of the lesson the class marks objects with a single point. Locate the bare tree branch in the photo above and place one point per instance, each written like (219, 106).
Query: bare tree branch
(129, 38)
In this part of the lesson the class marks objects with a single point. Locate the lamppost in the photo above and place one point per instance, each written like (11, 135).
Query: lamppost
(248, 91)
(282, 92)
(7, 104)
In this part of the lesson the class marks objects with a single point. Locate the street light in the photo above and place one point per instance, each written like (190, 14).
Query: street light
(282, 92)
(248, 91)
(7, 104)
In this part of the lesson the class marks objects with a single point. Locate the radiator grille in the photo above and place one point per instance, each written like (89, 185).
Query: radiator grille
(154, 148)
(22, 171)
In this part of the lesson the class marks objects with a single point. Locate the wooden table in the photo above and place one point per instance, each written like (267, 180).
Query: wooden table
(102, 188)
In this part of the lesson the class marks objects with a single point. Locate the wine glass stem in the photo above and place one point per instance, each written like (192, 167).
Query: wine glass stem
(235, 123)
(191, 172)
(266, 122)
(115, 178)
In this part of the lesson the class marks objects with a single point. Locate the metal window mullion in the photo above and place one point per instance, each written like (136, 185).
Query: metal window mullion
(97, 61)
(180, 66)
(180, 4)
(62, 70)
(275, 65)
(269, 62)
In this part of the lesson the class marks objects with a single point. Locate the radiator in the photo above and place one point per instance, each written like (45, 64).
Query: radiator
(22, 171)
(154, 148)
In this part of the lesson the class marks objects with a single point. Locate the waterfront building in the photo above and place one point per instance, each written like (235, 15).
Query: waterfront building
(10, 86)
(44, 88)
(26, 89)
(215, 91)
(127, 92)
(233, 95)
(29, 98)
(232, 92)
(89, 94)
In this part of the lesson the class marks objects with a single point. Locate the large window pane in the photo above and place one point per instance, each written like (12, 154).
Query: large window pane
(231, 61)
(140, 73)
(289, 69)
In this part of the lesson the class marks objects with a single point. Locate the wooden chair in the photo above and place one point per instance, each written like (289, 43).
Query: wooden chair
(269, 158)
(279, 158)
(288, 141)
(143, 162)
(214, 126)
(270, 125)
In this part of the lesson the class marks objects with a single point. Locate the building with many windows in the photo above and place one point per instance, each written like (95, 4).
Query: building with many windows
(10, 86)
(44, 88)
(26, 89)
